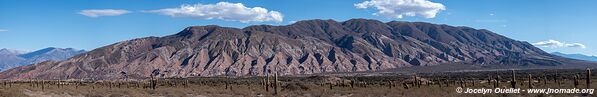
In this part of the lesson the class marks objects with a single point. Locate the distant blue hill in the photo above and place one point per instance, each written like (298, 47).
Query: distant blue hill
(577, 56)
(14, 58)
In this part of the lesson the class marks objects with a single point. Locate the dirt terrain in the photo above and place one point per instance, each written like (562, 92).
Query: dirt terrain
(390, 85)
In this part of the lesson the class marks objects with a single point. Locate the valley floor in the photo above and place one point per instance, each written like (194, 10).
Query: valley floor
(419, 85)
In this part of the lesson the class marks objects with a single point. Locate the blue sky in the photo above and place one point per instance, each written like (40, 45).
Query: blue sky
(31, 25)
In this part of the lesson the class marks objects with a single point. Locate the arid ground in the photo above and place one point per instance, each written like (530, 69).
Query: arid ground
(382, 85)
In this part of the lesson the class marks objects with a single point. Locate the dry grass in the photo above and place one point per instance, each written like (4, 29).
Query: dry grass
(318, 86)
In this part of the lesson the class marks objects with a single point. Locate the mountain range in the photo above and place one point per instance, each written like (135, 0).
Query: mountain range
(577, 56)
(13, 58)
(305, 47)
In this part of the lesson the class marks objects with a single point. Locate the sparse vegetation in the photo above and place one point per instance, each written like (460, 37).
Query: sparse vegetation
(423, 84)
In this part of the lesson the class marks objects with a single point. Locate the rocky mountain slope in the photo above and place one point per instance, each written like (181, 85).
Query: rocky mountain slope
(14, 58)
(305, 47)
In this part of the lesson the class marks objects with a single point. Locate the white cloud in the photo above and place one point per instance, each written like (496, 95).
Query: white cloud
(3, 30)
(292, 22)
(578, 45)
(549, 43)
(401, 8)
(224, 11)
(103, 12)
(558, 44)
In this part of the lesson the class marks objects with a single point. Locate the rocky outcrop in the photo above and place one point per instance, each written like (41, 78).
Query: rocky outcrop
(305, 47)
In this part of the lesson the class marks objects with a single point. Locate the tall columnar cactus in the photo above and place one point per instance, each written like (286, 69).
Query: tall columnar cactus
(473, 81)
(557, 79)
(576, 81)
(42, 84)
(497, 81)
(352, 84)
(439, 82)
(263, 83)
(416, 82)
(513, 81)
(276, 84)
(461, 83)
(544, 80)
(489, 79)
(186, 83)
(390, 84)
(331, 86)
(588, 78)
(267, 83)
(530, 83)
(227, 84)
(153, 84)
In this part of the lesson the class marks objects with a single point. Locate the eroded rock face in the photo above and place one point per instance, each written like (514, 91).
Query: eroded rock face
(306, 47)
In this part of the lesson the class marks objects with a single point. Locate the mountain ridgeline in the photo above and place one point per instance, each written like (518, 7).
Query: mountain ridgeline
(305, 47)
(577, 56)
(14, 58)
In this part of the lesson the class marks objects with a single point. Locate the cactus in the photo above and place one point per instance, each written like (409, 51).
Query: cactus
(588, 78)
(390, 84)
(267, 83)
(544, 80)
(276, 84)
(489, 79)
(513, 82)
(405, 85)
(576, 81)
(331, 87)
(530, 83)
(186, 83)
(352, 84)
(264, 83)
(42, 84)
(461, 83)
(415, 81)
(153, 84)
(557, 80)
(226, 82)
(438, 82)
(473, 81)
(497, 81)
(539, 79)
